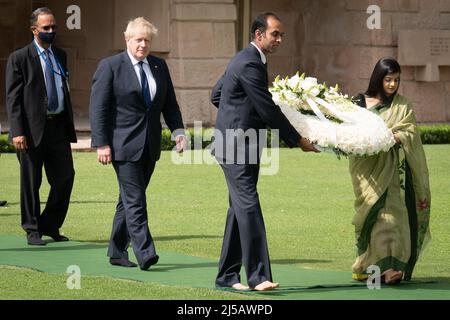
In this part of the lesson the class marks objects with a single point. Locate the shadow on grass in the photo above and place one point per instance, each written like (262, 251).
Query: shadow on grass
(10, 204)
(438, 283)
(418, 284)
(92, 201)
(168, 267)
(164, 267)
(297, 261)
(163, 238)
(284, 291)
(51, 248)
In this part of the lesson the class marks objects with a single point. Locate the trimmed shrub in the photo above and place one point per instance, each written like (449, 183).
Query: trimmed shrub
(435, 134)
(430, 134)
(5, 146)
(198, 140)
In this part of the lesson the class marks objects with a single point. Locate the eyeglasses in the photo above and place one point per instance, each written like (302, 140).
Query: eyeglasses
(51, 27)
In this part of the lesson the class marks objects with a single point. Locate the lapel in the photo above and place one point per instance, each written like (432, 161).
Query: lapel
(35, 62)
(156, 71)
(130, 75)
(257, 55)
(135, 84)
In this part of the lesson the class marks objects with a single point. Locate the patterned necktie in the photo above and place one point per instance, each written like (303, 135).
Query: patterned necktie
(52, 95)
(145, 87)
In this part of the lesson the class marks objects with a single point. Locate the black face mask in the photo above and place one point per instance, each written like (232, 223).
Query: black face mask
(47, 37)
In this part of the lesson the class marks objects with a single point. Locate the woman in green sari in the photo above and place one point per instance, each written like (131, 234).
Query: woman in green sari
(392, 205)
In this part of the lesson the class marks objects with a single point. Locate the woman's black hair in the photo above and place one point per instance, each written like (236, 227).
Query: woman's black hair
(383, 67)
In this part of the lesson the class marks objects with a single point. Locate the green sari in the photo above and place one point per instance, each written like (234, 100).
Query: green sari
(392, 205)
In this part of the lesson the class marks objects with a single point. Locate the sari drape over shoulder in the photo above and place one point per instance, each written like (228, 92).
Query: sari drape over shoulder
(392, 205)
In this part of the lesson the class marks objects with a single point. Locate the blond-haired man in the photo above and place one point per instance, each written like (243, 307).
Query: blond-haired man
(129, 92)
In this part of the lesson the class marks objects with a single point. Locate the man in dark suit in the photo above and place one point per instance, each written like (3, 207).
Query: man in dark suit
(3, 203)
(129, 92)
(246, 106)
(41, 127)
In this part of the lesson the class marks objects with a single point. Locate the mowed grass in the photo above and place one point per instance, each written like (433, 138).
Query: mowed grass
(307, 207)
(21, 283)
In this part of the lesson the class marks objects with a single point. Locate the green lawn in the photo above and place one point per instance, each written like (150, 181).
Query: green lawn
(307, 206)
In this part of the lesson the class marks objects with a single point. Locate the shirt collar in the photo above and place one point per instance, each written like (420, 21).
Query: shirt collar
(263, 56)
(134, 61)
(40, 49)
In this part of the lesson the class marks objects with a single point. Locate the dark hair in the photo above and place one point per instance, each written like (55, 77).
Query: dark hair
(260, 23)
(383, 67)
(36, 13)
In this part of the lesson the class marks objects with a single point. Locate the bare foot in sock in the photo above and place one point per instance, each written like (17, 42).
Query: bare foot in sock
(394, 277)
(266, 286)
(239, 286)
(391, 276)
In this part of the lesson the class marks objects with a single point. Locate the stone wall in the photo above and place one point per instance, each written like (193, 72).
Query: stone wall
(197, 38)
(12, 13)
(330, 40)
(327, 39)
(203, 41)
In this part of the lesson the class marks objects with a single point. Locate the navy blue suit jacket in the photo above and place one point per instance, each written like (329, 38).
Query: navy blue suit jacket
(245, 102)
(119, 117)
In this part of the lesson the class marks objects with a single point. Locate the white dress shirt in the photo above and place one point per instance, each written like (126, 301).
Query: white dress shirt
(150, 79)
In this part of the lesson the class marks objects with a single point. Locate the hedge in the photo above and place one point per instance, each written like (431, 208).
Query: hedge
(435, 134)
(430, 134)
(5, 147)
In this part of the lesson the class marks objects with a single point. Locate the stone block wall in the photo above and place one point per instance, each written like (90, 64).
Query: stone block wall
(329, 39)
(197, 38)
(12, 13)
(203, 41)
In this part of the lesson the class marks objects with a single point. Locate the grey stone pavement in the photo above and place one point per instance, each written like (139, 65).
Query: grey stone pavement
(83, 135)
(84, 142)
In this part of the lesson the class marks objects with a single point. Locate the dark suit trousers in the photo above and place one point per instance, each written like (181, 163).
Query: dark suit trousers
(131, 219)
(55, 155)
(245, 235)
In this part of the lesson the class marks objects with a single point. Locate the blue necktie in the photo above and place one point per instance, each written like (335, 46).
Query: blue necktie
(145, 87)
(52, 95)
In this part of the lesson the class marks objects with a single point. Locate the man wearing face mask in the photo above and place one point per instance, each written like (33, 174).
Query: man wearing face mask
(41, 128)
